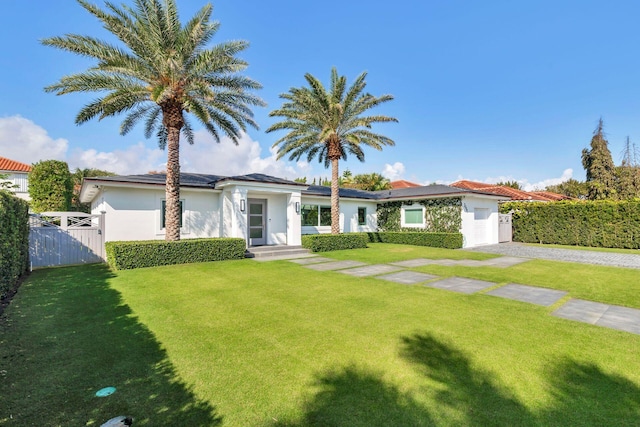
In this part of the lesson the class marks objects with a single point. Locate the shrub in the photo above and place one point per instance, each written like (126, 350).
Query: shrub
(601, 223)
(334, 242)
(50, 186)
(420, 238)
(151, 253)
(14, 240)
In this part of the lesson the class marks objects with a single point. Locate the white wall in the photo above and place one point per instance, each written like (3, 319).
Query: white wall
(471, 228)
(134, 214)
(21, 180)
(348, 215)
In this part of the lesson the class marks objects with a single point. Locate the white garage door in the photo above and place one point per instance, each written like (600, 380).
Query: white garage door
(481, 225)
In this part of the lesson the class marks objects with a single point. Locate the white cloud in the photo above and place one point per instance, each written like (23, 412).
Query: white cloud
(394, 171)
(24, 141)
(134, 159)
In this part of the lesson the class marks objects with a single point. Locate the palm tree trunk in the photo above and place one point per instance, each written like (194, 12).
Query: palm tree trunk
(335, 198)
(172, 211)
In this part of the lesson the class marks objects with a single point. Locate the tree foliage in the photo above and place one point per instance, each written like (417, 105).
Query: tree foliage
(5, 184)
(330, 125)
(510, 184)
(77, 176)
(368, 181)
(50, 186)
(161, 70)
(598, 163)
(571, 188)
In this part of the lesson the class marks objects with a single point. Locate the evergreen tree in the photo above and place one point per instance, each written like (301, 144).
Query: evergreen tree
(571, 188)
(598, 163)
(511, 184)
(628, 173)
(50, 186)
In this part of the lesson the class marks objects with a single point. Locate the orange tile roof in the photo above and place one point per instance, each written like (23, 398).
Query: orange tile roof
(401, 183)
(12, 165)
(514, 194)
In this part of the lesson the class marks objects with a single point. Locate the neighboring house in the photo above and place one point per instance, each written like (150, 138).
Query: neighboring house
(18, 175)
(511, 193)
(401, 183)
(266, 210)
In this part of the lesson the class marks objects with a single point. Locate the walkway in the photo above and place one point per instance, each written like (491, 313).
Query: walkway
(605, 315)
(611, 259)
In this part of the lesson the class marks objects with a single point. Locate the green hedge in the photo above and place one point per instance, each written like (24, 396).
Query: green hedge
(420, 238)
(14, 240)
(334, 242)
(150, 253)
(601, 223)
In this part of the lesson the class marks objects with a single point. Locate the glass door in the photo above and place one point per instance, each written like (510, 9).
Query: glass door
(257, 223)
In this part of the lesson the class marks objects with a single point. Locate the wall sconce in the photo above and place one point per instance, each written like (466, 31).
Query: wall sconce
(298, 207)
(243, 205)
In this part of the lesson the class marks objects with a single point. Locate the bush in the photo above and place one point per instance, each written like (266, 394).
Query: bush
(334, 242)
(50, 186)
(151, 253)
(602, 223)
(14, 240)
(420, 238)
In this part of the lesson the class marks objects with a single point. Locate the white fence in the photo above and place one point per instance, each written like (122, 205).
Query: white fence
(65, 238)
(505, 230)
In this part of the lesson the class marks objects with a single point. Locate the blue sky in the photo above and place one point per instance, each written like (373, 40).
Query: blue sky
(483, 90)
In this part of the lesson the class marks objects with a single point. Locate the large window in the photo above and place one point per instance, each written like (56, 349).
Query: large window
(362, 216)
(163, 209)
(314, 215)
(412, 216)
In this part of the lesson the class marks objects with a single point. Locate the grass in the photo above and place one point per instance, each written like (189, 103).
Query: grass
(242, 343)
(587, 248)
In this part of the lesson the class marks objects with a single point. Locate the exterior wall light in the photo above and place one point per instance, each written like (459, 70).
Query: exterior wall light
(243, 205)
(298, 207)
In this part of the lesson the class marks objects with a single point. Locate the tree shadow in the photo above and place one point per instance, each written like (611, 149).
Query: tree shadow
(69, 335)
(464, 390)
(355, 397)
(585, 395)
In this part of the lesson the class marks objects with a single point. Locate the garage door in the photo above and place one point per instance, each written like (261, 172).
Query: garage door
(481, 225)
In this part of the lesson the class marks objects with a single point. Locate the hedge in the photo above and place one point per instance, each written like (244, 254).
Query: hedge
(601, 223)
(334, 242)
(151, 253)
(419, 238)
(14, 240)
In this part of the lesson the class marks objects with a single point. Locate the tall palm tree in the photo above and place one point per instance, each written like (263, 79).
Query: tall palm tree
(329, 124)
(163, 71)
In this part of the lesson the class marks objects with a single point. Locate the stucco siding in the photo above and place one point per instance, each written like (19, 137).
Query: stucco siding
(348, 216)
(479, 221)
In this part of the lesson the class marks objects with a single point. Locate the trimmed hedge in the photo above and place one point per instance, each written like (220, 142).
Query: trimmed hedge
(419, 238)
(14, 240)
(601, 223)
(334, 242)
(151, 253)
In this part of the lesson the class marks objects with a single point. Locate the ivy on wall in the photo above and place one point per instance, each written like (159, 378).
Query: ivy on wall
(441, 215)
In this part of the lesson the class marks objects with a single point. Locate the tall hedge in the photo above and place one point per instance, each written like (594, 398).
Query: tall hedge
(50, 186)
(14, 240)
(601, 223)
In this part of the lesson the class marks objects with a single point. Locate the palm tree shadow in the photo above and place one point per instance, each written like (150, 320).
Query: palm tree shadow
(91, 340)
(356, 397)
(585, 395)
(464, 389)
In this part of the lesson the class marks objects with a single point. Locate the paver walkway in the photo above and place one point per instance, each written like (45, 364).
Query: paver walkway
(609, 316)
(612, 259)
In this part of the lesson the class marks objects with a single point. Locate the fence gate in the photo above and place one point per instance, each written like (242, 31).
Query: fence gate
(65, 238)
(505, 231)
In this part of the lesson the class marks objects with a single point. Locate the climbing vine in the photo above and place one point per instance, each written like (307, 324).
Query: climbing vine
(441, 215)
(389, 216)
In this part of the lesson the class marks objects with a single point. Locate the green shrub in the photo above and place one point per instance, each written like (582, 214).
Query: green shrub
(151, 253)
(601, 223)
(334, 242)
(440, 215)
(14, 240)
(418, 238)
(50, 186)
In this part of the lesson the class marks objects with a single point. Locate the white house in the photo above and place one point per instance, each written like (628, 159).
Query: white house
(266, 210)
(17, 175)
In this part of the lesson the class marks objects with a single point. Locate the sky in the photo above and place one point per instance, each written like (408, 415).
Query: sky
(487, 91)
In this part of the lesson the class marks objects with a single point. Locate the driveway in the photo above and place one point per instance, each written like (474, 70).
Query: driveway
(611, 259)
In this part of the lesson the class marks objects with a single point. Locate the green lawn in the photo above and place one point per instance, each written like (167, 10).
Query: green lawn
(242, 343)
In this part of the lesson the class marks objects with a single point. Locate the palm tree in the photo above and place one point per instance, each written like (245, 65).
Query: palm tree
(330, 125)
(163, 71)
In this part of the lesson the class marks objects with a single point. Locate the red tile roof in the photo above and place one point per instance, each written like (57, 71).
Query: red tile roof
(401, 183)
(13, 166)
(514, 194)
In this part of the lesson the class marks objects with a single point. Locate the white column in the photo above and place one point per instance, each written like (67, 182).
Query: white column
(294, 219)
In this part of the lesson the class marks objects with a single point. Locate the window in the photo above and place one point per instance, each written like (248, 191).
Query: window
(362, 216)
(163, 209)
(314, 215)
(412, 217)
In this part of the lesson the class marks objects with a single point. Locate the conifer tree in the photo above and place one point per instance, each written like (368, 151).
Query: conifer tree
(598, 163)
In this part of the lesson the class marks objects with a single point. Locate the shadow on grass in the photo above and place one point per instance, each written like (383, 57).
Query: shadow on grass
(359, 398)
(67, 335)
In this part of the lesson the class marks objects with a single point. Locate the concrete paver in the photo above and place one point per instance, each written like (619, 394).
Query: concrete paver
(530, 294)
(621, 318)
(461, 284)
(608, 316)
(582, 311)
(311, 260)
(371, 270)
(418, 262)
(505, 261)
(407, 277)
(336, 265)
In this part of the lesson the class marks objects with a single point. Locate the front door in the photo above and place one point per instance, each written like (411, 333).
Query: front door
(257, 229)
